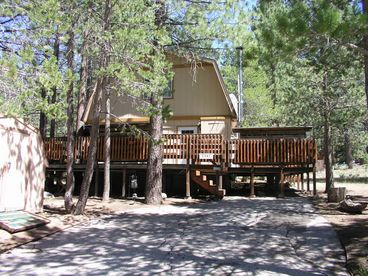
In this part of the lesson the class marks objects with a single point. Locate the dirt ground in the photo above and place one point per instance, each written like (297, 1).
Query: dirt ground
(54, 208)
(351, 229)
(59, 220)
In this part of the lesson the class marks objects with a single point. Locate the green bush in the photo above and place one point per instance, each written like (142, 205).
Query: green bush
(363, 271)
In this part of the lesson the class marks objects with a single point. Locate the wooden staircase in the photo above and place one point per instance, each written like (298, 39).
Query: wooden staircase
(202, 180)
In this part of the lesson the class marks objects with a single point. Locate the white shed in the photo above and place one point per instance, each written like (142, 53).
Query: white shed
(22, 166)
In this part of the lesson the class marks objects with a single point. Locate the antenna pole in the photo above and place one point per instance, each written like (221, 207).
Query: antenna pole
(240, 85)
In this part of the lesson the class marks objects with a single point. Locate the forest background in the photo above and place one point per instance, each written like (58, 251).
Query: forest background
(305, 63)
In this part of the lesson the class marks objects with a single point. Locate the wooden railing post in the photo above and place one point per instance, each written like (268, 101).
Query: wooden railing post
(189, 152)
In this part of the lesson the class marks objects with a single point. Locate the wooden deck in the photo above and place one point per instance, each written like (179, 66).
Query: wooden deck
(195, 149)
(200, 153)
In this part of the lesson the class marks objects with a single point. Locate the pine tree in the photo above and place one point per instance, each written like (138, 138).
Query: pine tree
(315, 71)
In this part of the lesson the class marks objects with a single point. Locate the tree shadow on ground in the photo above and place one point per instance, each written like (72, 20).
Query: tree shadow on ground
(235, 236)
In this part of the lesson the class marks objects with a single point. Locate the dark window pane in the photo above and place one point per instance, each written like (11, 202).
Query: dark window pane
(168, 91)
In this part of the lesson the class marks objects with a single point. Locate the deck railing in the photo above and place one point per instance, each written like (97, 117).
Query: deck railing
(271, 151)
(194, 149)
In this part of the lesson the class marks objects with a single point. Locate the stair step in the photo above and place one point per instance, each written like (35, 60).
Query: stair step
(206, 183)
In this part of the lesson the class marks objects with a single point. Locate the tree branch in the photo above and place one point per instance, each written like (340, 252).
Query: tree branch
(10, 19)
(359, 49)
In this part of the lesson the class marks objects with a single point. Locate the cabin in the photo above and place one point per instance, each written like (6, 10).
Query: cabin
(203, 149)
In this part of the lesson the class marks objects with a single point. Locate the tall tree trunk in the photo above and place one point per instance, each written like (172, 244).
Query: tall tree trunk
(327, 141)
(43, 119)
(272, 85)
(88, 173)
(348, 149)
(365, 46)
(153, 193)
(84, 71)
(327, 146)
(103, 59)
(154, 165)
(54, 89)
(106, 191)
(68, 196)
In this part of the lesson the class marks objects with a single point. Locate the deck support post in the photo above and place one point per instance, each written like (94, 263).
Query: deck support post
(271, 182)
(96, 181)
(314, 179)
(123, 188)
(187, 183)
(219, 180)
(282, 184)
(302, 181)
(308, 179)
(252, 193)
(298, 181)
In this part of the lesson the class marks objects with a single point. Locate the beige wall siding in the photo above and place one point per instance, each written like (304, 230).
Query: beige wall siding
(213, 126)
(171, 126)
(200, 94)
(217, 127)
(22, 167)
(204, 126)
(124, 106)
(197, 94)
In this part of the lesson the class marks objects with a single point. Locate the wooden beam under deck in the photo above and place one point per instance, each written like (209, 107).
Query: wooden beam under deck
(246, 171)
(241, 171)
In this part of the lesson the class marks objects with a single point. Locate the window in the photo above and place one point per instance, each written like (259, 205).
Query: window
(187, 130)
(168, 92)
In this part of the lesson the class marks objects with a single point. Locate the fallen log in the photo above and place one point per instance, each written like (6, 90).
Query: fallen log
(352, 207)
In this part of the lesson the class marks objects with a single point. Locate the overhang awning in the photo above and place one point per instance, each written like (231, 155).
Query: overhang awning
(127, 120)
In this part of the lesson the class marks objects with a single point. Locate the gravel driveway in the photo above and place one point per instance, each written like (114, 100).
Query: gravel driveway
(235, 236)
